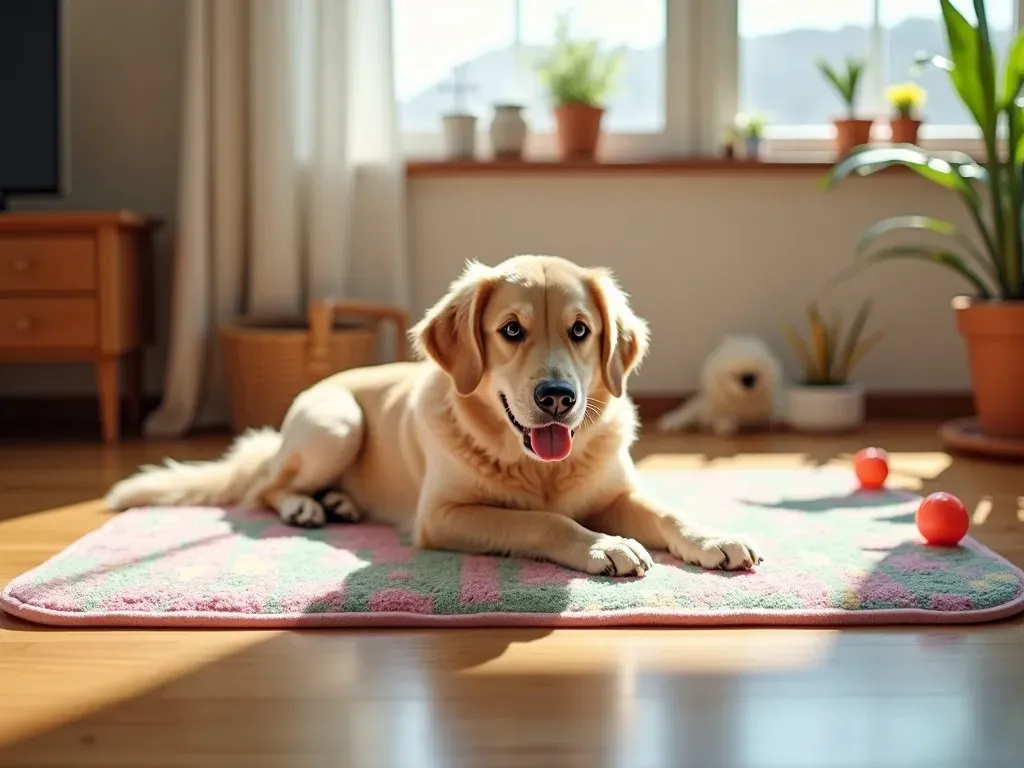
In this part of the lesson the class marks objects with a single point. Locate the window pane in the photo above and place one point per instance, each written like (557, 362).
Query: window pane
(912, 26)
(779, 42)
(433, 37)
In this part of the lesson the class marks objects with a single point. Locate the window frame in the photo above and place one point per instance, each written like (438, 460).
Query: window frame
(701, 100)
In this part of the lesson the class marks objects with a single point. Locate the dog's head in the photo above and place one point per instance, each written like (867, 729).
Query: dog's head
(539, 340)
(741, 366)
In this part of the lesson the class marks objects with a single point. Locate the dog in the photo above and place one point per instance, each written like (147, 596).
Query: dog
(740, 385)
(510, 435)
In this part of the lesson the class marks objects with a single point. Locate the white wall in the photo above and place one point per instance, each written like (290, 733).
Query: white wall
(700, 254)
(705, 254)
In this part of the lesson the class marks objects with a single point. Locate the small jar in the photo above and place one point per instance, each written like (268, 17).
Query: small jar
(508, 132)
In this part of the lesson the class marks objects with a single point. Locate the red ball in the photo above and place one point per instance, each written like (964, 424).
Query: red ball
(872, 468)
(943, 519)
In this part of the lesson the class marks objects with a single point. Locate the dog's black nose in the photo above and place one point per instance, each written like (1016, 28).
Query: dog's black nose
(748, 380)
(555, 397)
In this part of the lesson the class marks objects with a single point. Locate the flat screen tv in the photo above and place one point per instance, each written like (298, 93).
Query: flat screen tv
(30, 98)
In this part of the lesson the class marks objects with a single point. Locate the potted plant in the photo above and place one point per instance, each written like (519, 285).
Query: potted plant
(826, 400)
(991, 319)
(851, 131)
(906, 100)
(751, 127)
(578, 77)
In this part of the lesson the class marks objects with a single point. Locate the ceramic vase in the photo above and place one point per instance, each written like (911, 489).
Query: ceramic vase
(508, 132)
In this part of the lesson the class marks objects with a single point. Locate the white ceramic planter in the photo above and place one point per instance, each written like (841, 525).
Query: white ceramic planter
(459, 136)
(825, 409)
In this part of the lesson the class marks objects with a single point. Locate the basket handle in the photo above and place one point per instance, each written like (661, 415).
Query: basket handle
(322, 313)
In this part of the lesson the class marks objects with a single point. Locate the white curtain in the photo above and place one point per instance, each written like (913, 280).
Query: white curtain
(291, 185)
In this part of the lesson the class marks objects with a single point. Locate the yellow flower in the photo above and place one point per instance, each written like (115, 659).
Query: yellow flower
(906, 98)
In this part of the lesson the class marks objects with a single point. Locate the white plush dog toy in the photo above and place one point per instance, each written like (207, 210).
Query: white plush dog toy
(740, 385)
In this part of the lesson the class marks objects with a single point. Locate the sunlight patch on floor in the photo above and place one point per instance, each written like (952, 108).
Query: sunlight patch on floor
(566, 652)
(982, 511)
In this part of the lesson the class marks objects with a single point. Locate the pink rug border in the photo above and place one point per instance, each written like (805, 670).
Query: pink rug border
(652, 617)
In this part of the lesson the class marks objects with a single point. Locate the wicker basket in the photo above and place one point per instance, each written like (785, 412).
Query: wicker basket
(269, 362)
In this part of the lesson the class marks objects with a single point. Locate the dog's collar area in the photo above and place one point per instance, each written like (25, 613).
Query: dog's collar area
(524, 431)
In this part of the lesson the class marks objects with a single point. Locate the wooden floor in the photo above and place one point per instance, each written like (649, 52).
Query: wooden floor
(781, 698)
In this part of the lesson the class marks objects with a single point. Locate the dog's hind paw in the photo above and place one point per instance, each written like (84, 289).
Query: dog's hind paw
(339, 505)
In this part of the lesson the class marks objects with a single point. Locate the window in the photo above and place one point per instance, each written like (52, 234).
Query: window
(477, 53)
(780, 39)
(690, 66)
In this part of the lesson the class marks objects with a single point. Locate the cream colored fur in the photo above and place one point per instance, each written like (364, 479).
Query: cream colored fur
(428, 446)
(723, 404)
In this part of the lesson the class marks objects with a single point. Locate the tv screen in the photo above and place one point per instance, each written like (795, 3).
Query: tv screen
(30, 116)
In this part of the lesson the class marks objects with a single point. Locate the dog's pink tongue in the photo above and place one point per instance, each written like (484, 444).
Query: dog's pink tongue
(551, 443)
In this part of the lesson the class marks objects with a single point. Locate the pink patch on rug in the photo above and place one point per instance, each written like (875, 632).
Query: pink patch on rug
(401, 600)
(943, 602)
(394, 555)
(879, 587)
(535, 572)
(398, 575)
(479, 581)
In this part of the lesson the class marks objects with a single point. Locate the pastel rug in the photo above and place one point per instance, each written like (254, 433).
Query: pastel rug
(833, 556)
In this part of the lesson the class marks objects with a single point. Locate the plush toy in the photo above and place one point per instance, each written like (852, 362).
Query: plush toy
(740, 385)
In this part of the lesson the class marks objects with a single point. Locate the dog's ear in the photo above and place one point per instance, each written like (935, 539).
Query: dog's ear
(450, 332)
(625, 338)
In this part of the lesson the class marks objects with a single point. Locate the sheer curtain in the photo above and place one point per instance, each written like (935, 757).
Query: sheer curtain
(291, 184)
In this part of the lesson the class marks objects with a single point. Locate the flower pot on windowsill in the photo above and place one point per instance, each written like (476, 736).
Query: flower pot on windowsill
(459, 136)
(830, 408)
(851, 133)
(904, 130)
(993, 332)
(579, 130)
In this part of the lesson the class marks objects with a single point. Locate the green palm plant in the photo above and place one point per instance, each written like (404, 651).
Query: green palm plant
(846, 81)
(991, 189)
(827, 358)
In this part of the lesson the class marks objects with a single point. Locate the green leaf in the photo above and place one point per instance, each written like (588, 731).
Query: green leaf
(1014, 71)
(868, 159)
(943, 258)
(965, 51)
(927, 224)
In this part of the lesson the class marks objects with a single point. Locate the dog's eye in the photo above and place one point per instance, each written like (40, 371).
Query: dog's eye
(579, 331)
(512, 331)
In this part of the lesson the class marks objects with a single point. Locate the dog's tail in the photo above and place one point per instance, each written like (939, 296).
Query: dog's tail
(228, 480)
(686, 415)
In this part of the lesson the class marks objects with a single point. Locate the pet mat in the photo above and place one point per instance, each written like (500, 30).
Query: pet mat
(833, 555)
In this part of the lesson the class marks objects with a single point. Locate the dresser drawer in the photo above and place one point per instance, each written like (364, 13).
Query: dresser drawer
(47, 323)
(47, 263)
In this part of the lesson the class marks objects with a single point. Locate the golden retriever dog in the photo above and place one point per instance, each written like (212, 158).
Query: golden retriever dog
(512, 436)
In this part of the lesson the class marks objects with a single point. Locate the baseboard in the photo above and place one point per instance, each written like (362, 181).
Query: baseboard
(78, 417)
(879, 406)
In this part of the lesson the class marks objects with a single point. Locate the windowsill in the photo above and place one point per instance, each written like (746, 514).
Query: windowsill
(813, 164)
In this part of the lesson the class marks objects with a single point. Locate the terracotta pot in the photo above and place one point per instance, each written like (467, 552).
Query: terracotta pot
(851, 134)
(994, 334)
(579, 128)
(904, 130)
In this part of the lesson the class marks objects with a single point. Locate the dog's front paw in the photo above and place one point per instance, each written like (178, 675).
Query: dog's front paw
(616, 556)
(728, 553)
(302, 511)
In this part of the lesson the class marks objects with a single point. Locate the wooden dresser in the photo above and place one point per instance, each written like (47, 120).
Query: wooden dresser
(77, 287)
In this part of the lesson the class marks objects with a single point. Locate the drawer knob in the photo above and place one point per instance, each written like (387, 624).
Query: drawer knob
(24, 324)
(23, 265)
